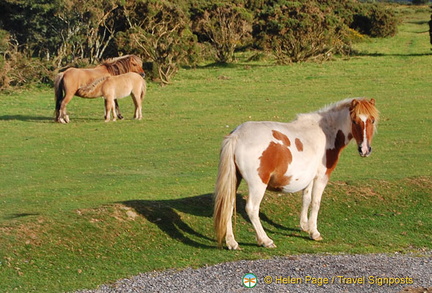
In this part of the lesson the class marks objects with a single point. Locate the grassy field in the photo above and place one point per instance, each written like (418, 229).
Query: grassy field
(90, 202)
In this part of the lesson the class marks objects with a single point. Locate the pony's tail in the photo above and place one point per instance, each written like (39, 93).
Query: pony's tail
(58, 92)
(93, 90)
(226, 188)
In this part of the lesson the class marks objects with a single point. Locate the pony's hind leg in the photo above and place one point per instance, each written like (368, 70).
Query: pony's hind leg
(256, 194)
(117, 108)
(107, 111)
(109, 107)
(114, 111)
(138, 105)
(62, 116)
(138, 113)
(230, 241)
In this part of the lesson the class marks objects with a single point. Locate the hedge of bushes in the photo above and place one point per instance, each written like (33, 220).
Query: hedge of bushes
(40, 37)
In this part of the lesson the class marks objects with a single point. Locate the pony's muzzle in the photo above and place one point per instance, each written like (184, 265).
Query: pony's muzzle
(364, 151)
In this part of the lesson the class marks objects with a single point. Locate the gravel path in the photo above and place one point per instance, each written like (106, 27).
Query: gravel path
(303, 273)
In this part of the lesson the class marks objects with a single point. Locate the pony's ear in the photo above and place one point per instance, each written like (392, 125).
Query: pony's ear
(354, 103)
(372, 101)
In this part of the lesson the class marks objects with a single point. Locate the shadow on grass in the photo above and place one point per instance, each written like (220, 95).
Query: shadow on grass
(167, 215)
(366, 54)
(20, 215)
(233, 65)
(42, 119)
(26, 118)
(281, 230)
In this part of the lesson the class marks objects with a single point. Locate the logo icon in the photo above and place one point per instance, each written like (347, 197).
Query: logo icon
(249, 280)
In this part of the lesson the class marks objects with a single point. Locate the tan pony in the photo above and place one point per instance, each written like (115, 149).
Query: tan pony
(117, 87)
(67, 83)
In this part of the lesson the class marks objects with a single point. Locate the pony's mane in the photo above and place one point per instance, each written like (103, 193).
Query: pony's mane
(121, 65)
(94, 83)
(88, 90)
(327, 110)
(336, 106)
(356, 106)
(363, 106)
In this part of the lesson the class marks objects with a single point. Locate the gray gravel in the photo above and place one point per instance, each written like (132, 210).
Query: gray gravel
(378, 272)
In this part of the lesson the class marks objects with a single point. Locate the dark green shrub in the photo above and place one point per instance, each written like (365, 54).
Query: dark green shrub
(384, 22)
(17, 68)
(376, 21)
(420, 2)
(298, 31)
(225, 26)
(159, 31)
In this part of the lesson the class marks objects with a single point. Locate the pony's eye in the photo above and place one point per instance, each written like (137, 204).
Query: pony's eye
(373, 121)
(355, 123)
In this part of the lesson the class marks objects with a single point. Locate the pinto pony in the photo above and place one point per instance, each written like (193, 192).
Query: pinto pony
(67, 83)
(116, 87)
(288, 157)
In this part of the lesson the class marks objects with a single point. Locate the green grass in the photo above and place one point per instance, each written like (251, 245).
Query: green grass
(91, 202)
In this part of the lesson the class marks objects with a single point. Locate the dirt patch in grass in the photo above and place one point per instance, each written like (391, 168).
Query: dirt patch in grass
(29, 233)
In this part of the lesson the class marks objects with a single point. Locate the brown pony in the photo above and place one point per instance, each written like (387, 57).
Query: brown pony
(67, 83)
(117, 87)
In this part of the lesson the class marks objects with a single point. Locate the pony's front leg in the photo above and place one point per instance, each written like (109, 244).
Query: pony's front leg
(256, 195)
(307, 198)
(317, 191)
(64, 118)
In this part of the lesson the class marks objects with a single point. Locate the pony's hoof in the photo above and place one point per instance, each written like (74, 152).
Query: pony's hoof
(271, 245)
(316, 236)
(233, 246)
(268, 243)
(119, 116)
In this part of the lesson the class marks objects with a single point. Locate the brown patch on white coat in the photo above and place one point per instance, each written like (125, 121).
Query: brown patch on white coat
(274, 162)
